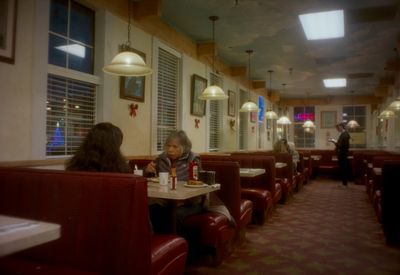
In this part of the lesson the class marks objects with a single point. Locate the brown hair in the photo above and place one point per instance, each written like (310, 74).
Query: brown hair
(100, 151)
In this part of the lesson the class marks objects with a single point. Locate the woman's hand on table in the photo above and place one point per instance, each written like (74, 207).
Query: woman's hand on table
(151, 168)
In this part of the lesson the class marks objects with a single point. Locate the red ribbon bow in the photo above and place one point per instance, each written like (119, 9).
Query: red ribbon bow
(132, 109)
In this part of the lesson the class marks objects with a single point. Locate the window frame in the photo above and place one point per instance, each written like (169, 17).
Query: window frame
(66, 73)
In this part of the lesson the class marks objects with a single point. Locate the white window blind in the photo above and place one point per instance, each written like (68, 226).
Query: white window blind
(71, 107)
(303, 138)
(215, 119)
(244, 122)
(167, 95)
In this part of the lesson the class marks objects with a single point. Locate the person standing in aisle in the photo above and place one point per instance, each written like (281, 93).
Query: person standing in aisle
(342, 150)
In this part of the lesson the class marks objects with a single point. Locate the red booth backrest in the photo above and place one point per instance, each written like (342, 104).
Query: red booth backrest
(378, 161)
(252, 160)
(103, 217)
(227, 174)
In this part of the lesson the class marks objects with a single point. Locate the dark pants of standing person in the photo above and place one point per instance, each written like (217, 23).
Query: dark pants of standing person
(343, 166)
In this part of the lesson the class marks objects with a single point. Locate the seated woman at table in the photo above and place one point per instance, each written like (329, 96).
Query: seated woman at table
(283, 146)
(100, 151)
(178, 154)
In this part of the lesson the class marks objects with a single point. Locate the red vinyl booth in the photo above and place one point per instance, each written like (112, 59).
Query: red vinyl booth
(104, 220)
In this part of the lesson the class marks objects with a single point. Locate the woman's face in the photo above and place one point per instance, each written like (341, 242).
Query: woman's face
(173, 149)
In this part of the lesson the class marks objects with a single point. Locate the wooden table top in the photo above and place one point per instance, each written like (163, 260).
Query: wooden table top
(17, 234)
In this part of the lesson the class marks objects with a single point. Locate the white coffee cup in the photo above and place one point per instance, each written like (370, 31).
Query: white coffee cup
(164, 176)
(138, 172)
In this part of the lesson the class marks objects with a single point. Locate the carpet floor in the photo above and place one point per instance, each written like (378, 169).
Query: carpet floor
(323, 229)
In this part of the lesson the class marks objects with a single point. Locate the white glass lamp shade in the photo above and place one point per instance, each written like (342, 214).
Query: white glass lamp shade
(271, 115)
(308, 124)
(213, 93)
(353, 124)
(387, 114)
(395, 105)
(127, 63)
(283, 120)
(248, 107)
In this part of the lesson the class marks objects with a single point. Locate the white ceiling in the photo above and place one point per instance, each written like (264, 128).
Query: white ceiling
(272, 29)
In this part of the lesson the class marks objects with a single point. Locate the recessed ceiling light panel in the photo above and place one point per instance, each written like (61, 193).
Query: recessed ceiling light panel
(323, 25)
(335, 82)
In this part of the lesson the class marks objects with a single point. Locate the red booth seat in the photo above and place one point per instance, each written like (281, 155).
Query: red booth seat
(390, 201)
(104, 220)
(261, 189)
(214, 230)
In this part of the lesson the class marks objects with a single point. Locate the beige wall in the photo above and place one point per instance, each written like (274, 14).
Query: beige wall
(15, 91)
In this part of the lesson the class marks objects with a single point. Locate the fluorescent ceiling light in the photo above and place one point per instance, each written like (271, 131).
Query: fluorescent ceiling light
(75, 49)
(323, 25)
(335, 82)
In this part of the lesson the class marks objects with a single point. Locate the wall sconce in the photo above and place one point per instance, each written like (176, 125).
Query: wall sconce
(132, 109)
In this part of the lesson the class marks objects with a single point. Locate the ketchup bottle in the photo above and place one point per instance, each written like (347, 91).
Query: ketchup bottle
(193, 170)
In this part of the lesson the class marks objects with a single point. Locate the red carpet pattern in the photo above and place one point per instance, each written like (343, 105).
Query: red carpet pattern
(324, 229)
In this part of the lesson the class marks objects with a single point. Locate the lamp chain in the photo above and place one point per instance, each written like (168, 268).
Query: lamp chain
(128, 43)
(213, 18)
(249, 52)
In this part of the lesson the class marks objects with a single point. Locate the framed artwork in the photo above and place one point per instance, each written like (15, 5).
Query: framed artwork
(8, 22)
(132, 87)
(328, 119)
(197, 106)
(231, 103)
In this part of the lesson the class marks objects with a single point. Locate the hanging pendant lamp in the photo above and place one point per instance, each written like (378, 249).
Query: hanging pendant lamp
(353, 123)
(213, 92)
(283, 120)
(395, 105)
(270, 114)
(308, 123)
(127, 62)
(249, 106)
(387, 114)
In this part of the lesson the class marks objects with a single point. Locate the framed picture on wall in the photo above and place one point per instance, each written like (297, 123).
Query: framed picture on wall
(132, 87)
(328, 119)
(231, 103)
(197, 106)
(8, 21)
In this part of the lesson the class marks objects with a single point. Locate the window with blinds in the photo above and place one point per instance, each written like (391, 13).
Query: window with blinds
(71, 107)
(244, 122)
(358, 136)
(303, 137)
(71, 100)
(215, 118)
(167, 95)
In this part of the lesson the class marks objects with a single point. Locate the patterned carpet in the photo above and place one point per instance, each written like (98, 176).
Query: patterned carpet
(324, 229)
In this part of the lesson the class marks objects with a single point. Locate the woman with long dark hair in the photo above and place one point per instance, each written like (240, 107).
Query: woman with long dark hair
(100, 151)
